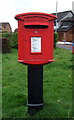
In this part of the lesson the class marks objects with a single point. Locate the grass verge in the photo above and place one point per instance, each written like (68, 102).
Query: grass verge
(57, 84)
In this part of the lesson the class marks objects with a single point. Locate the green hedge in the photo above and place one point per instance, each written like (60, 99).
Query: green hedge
(55, 39)
(6, 35)
(12, 39)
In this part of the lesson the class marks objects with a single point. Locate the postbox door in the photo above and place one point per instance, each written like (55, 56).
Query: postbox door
(38, 44)
(32, 43)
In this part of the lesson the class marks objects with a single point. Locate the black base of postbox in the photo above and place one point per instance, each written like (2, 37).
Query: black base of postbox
(35, 87)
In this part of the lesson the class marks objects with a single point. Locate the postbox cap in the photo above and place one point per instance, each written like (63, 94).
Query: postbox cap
(22, 16)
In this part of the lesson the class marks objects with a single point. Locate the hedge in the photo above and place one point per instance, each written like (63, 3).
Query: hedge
(12, 39)
(55, 39)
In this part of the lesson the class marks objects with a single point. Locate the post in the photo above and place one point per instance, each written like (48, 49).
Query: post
(35, 87)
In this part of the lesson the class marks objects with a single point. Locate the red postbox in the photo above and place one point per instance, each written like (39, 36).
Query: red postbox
(35, 48)
(35, 37)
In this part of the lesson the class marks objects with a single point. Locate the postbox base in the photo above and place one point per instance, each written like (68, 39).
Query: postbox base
(35, 105)
(33, 62)
(35, 87)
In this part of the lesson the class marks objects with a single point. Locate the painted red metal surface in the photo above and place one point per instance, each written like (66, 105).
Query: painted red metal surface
(35, 37)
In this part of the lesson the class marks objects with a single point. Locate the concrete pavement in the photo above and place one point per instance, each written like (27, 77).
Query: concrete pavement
(65, 45)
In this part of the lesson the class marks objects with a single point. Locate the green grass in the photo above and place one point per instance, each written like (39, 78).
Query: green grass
(0, 85)
(57, 85)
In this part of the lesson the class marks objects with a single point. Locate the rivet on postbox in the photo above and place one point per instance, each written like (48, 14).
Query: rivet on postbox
(36, 31)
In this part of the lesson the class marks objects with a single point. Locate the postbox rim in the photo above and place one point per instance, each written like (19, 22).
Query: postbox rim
(35, 23)
(46, 15)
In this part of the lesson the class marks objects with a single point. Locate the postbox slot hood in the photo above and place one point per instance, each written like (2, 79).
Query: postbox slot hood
(32, 14)
(36, 24)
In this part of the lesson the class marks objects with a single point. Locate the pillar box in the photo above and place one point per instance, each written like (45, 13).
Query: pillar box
(35, 48)
(35, 37)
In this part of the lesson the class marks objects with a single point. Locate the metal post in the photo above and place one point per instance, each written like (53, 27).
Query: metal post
(35, 87)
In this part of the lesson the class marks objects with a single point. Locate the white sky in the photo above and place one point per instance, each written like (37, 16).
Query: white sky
(9, 8)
